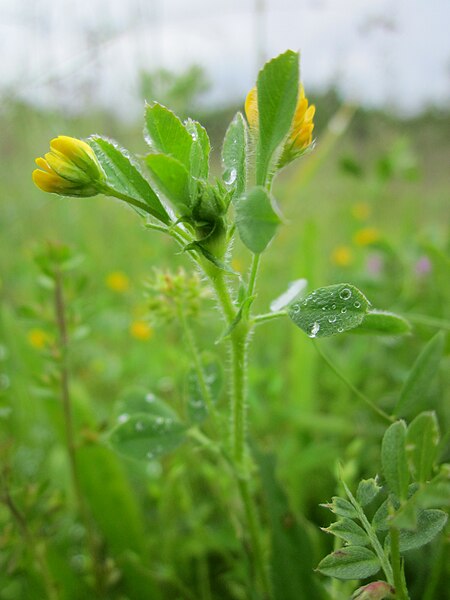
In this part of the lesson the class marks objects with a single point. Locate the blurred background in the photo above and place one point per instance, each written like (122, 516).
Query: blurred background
(368, 206)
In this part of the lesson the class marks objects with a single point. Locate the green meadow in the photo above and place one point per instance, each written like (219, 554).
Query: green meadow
(369, 206)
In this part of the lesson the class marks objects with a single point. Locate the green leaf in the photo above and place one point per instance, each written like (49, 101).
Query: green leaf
(368, 490)
(277, 99)
(138, 400)
(200, 150)
(353, 562)
(341, 507)
(234, 156)
(422, 439)
(349, 531)
(145, 436)
(196, 403)
(166, 134)
(379, 322)
(256, 219)
(393, 459)
(172, 179)
(329, 310)
(381, 519)
(429, 524)
(123, 176)
(415, 391)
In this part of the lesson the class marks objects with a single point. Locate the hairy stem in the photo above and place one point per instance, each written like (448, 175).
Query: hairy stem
(401, 593)
(198, 365)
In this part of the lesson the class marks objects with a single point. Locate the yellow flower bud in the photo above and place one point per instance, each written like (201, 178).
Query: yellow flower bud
(300, 133)
(69, 169)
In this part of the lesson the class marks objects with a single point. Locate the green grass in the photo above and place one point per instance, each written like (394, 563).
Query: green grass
(160, 530)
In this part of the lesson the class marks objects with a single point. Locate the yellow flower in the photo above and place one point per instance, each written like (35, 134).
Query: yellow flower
(117, 281)
(38, 338)
(361, 211)
(342, 256)
(300, 134)
(69, 169)
(141, 330)
(366, 236)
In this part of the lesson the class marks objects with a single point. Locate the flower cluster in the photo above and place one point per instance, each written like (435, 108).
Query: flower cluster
(299, 138)
(69, 169)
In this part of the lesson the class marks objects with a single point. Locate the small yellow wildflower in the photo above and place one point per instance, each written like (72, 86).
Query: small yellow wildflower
(300, 134)
(38, 338)
(342, 256)
(361, 211)
(117, 281)
(141, 330)
(366, 236)
(69, 169)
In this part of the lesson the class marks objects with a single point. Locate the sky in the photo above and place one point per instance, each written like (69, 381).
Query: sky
(393, 53)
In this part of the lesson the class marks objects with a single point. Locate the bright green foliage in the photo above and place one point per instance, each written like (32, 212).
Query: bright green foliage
(234, 156)
(422, 439)
(402, 512)
(352, 562)
(124, 177)
(200, 150)
(166, 134)
(379, 322)
(415, 391)
(329, 310)
(349, 531)
(393, 459)
(256, 219)
(277, 98)
(143, 517)
(368, 490)
(172, 179)
(429, 524)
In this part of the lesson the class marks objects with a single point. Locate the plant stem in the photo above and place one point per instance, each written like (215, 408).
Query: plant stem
(198, 365)
(271, 316)
(238, 343)
(253, 274)
(60, 314)
(401, 593)
(354, 389)
(375, 542)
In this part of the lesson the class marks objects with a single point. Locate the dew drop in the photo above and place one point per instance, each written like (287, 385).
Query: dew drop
(343, 310)
(315, 327)
(159, 420)
(139, 426)
(340, 329)
(150, 398)
(357, 304)
(345, 294)
(123, 418)
(296, 308)
(332, 319)
(150, 455)
(333, 306)
(231, 177)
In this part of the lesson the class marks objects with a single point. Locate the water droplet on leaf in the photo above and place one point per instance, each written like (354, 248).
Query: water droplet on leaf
(345, 294)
